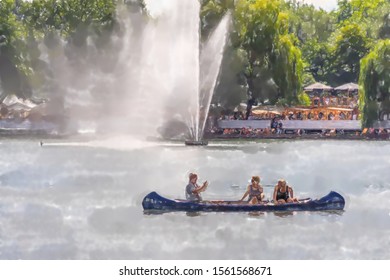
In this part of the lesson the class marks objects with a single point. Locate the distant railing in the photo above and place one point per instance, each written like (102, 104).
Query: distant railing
(244, 123)
(331, 124)
(381, 124)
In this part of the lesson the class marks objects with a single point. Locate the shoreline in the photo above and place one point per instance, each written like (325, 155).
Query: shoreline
(40, 134)
(299, 137)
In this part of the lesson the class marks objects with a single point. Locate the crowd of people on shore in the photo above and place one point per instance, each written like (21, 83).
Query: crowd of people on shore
(298, 115)
(277, 122)
(277, 131)
(254, 193)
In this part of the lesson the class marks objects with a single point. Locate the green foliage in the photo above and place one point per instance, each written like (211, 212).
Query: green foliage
(344, 10)
(76, 19)
(374, 83)
(350, 45)
(304, 99)
(275, 46)
(318, 59)
(24, 24)
(287, 68)
(257, 26)
(12, 32)
(274, 65)
(307, 78)
(14, 65)
(384, 29)
(313, 29)
(367, 14)
(309, 23)
(212, 12)
(287, 44)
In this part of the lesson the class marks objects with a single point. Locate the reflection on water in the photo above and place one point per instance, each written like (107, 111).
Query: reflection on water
(81, 199)
(256, 214)
(280, 214)
(283, 214)
(161, 212)
(193, 214)
(331, 212)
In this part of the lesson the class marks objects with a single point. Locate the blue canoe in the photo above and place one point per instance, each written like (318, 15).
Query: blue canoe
(154, 201)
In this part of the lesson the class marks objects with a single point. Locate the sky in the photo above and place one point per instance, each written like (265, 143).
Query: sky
(327, 5)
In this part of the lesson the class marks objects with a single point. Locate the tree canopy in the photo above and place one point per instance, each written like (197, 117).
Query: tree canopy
(375, 83)
(275, 47)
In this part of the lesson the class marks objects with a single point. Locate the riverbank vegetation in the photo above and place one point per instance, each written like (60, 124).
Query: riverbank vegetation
(285, 45)
(275, 48)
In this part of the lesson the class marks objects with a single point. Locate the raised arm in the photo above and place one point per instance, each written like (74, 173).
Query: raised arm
(201, 188)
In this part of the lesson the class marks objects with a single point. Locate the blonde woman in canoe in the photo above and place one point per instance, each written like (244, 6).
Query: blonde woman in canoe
(283, 193)
(254, 191)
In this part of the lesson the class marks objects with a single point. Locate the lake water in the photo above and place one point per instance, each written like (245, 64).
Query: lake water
(81, 199)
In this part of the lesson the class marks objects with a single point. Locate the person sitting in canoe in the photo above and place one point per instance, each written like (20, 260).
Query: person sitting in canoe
(193, 190)
(283, 193)
(255, 191)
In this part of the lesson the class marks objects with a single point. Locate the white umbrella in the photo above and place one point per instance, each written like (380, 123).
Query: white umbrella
(348, 87)
(318, 86)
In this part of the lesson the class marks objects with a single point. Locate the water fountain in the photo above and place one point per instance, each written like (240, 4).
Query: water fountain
(192, 76)
(210, 62)
(175, 77)
(155, 75)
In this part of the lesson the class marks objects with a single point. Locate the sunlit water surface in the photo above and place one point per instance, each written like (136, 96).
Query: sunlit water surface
(79, 199)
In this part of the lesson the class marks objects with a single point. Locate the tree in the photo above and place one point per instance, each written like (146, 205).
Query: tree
(313, 28)
(310, 23)
(72, 19)
(256, 26)
(350, 46)
(318, 59)
(212, 12)
(367, 14)
(287, 68)
(384, 30)
(344, 10)
(23, 25)
(374, 83)
(13, 52)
